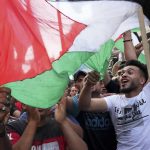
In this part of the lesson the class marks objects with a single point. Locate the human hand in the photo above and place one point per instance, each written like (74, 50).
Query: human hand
(91, 78)
(60, 110)
(127, 35)
(138, 48)
(33, 114)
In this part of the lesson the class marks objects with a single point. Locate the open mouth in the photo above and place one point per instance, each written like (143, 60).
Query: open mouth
(124, 82)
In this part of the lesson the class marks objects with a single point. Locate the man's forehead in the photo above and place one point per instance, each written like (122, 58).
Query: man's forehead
(80, 77)
(130, 68)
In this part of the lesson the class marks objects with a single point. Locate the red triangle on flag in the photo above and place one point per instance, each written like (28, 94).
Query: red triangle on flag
(33, 34)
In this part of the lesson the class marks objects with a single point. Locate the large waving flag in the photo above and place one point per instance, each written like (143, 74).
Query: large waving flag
(37, 36)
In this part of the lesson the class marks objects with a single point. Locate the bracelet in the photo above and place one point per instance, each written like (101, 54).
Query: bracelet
(127, 40)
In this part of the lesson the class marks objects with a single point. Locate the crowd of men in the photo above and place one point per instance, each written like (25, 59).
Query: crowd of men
(93, 114)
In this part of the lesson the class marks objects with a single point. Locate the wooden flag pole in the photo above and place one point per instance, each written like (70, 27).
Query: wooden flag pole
(146, 45)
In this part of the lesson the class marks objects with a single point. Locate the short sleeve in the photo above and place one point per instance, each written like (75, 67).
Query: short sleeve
(147, 88)
(110, 100)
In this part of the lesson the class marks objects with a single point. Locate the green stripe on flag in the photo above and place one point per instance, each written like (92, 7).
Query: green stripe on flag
(71, 61)
(43, 91)
(99, 61)
(46, 89)
(142, 58)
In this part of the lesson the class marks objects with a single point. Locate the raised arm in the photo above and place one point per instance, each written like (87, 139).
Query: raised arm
(107, 78)
(131, 52)
(74, 141)
(5, 143)
(129, 49)
(25, 141)
(85, 101)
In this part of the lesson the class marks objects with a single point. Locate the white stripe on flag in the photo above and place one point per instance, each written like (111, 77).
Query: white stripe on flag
(103, 19)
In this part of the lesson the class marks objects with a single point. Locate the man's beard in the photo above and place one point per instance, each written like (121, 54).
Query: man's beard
(129, 89)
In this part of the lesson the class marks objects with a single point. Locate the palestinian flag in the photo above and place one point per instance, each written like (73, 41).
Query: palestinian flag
(41, 42)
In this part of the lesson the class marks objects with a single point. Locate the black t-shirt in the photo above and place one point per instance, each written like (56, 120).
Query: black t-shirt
(46, 137)
(99, 132)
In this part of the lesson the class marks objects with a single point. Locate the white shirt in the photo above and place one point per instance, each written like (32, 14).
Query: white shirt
(131, 119)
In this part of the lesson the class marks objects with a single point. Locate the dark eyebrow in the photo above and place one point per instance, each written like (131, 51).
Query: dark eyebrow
(129, 69)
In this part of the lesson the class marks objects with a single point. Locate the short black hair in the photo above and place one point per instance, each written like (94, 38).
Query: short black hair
(122, 64)
(140, 65)
(79, 73)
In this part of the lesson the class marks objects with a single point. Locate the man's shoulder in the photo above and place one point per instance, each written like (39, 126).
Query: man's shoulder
(115, 96)
(16, 126)
(17, 122)
(114, 99)
(147, 85)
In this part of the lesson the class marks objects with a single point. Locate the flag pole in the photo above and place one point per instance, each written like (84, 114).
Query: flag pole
(146, 45)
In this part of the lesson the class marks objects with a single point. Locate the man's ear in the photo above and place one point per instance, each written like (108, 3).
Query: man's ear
(142, 80)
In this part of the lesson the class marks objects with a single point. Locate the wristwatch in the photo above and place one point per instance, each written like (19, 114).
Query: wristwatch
(2, 130)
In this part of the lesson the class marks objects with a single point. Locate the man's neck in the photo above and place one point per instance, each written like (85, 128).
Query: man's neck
(134, 92)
